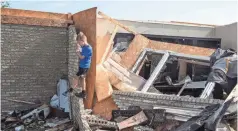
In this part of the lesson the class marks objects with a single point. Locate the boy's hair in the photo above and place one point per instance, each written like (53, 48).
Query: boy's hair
(82, 37)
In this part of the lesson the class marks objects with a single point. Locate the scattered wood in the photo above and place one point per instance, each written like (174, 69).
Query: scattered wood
(132, 121)
(102, 85)
(109, 44)
(20, 101)
(61, 126)
(44, 108)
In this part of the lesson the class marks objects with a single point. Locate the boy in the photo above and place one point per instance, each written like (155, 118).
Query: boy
(84, 55)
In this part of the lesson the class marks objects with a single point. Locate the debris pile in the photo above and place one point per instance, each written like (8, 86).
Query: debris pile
(185, 88)
(41, 117)
(180, 93)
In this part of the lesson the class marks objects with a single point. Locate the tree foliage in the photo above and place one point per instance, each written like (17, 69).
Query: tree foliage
(5, 4)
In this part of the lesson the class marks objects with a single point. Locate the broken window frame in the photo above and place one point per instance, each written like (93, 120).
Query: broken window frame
(199, 60)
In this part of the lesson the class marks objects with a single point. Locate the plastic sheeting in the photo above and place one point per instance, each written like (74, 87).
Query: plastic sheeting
(225, 60)
(62, 87)
(54, 101)
(224, 70)
(61, 101)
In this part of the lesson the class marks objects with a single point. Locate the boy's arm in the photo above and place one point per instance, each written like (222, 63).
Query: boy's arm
(80, 56)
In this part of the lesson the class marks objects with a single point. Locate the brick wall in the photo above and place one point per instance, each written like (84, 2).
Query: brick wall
(77, 105)
(33, 58)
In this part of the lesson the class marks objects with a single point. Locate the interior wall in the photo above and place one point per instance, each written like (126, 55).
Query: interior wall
(228, 35)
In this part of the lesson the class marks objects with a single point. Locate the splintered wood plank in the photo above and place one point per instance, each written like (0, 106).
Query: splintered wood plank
(103, 86)
(102, 42)
(104, 108)
(109, 44)
(86, 21)
(132, 121)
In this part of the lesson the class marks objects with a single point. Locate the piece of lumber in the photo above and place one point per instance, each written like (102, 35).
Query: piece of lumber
(102, 85)
(140, 67)
(132, 121)
(128, 79)
(139, 61)
(20, 101)
(182, 70)
(109, 44)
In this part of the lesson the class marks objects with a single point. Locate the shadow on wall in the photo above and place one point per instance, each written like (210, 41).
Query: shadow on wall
(228, 35)
(33, 59)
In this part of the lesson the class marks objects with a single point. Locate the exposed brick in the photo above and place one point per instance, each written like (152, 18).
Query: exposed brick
(31, 63)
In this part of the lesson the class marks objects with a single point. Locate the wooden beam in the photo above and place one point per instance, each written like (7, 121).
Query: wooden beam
(182, 70)
(132, 121)
(109, 44)
(140, 67)
(102, 86)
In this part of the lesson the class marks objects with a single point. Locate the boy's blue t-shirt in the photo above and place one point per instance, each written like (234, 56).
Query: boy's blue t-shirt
(87, 52)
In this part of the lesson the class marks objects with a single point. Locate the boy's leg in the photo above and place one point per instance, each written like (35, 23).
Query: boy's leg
(82, 83)
(75, 82)
(82, 74)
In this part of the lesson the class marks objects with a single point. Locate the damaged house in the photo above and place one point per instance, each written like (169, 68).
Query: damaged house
(144, 76)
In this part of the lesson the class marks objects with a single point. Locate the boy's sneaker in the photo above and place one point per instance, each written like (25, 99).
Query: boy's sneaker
(81, 94)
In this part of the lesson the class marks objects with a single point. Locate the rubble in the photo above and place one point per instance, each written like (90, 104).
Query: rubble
(176, 110)
(140, 103)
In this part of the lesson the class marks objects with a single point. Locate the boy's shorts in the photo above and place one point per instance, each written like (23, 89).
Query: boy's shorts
(82, 72)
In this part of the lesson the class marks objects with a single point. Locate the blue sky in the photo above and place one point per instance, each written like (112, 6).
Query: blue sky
(208, 12)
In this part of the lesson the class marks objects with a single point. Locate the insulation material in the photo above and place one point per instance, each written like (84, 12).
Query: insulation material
(103, 86)
(86, 21)
(62, 87)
